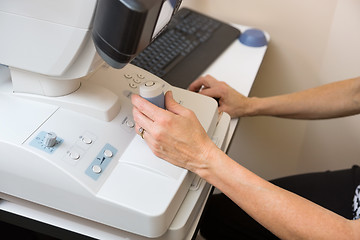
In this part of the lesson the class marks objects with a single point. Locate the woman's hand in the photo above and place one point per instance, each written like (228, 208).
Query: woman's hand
(230, 101)
(175, 134)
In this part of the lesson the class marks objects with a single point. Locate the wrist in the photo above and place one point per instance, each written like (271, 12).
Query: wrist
(211, 164)
(203, 167)
(252, 107)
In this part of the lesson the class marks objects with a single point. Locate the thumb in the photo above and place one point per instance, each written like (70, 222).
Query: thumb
(171, 104)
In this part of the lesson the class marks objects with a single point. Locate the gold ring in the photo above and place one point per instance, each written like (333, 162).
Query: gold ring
(142, 131)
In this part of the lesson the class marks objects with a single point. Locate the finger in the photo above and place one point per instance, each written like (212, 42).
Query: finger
(142, 120)
(201, 82)
(196, 85)
(141, 131)
(157, 149)
(172, 105)
(211, 92)
(209, 81)
(146, 107)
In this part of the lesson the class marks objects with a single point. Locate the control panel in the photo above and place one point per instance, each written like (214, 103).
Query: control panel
(46, 141)
(87, 150)
(101, 161)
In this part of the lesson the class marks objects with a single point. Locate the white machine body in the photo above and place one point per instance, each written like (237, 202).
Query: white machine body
(47, 44)
(98, 170)
(67, 137)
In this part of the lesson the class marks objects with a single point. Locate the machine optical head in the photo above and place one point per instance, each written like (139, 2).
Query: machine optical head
(122, 28)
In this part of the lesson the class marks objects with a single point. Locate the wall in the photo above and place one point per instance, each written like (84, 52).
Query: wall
(312, 43)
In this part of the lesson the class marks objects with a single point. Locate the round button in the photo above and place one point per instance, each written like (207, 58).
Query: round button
(74, 155)
(132, 85)
(149, 83)
(86, 140)
(140, 76)
(130, 124)
(136, 80)
(96, 169)
(128, 76)
(108, 153)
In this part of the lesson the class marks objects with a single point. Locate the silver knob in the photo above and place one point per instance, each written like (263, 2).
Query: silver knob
(50, 139)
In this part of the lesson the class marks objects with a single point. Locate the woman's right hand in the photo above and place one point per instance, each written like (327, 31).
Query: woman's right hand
(230, 101)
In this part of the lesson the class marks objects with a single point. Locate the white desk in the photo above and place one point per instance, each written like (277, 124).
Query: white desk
(238, 66)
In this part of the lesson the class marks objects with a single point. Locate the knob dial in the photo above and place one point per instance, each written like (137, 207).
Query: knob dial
(50, 139)
(153, 92)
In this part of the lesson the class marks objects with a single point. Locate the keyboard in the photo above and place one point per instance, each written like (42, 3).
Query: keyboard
(190, 43)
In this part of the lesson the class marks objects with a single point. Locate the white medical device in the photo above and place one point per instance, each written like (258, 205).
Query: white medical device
(67, 137)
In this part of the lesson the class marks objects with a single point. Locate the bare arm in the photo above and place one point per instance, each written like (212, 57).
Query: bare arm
(336, 99)
(285, 214)
(177, 136)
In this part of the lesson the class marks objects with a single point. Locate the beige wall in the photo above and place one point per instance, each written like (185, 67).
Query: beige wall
(312, 43)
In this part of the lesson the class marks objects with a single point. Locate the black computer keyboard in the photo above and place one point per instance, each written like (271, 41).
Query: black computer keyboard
(190, 43)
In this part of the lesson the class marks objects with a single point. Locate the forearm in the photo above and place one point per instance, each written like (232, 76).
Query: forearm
(328, 101)
(285, 214)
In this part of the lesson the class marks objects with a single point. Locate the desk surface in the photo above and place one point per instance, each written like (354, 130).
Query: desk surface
(237, 66)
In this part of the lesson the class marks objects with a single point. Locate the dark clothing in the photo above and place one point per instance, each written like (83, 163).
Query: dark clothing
(333, 190)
